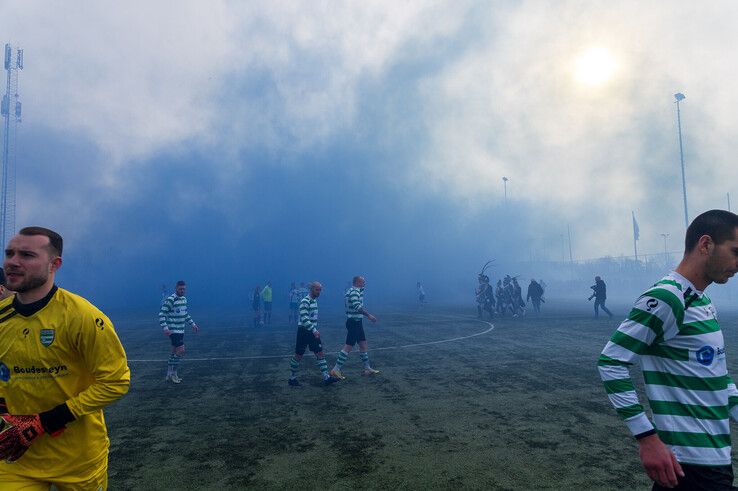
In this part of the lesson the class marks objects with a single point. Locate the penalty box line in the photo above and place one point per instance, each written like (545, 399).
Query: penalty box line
(267, 357)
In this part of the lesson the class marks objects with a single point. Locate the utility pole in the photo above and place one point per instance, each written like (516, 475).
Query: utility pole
(11, 113)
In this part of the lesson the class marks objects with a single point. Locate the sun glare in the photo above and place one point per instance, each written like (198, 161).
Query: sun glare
(594, 66)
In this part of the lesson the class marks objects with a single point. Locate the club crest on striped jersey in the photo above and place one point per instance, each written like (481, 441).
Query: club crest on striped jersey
(705, 355)
(652, 303)
(47, 336)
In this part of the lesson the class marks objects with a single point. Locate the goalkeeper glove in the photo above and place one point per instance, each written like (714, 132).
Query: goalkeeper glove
(17, 433)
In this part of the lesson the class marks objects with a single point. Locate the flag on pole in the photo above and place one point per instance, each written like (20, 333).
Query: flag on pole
(636, 230)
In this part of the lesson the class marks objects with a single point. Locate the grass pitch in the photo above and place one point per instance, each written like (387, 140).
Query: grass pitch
(457, 405)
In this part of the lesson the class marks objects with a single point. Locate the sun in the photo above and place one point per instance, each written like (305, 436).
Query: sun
(595, 66)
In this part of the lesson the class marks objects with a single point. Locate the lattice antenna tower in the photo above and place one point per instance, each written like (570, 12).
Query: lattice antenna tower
(11, 113)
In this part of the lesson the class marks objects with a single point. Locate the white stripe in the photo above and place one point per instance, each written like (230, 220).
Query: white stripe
(623, 399)
(689, 368)
(696, 341)
(687, 396)
(701, 455)
(619, 353)
(613, 372)
(639, 424)
(670, 422)
(637, 331)
(695, 314)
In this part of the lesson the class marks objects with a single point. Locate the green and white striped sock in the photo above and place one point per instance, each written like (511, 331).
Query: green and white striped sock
(323, 365)
(294, 365)
(365, 358)
(342, 357)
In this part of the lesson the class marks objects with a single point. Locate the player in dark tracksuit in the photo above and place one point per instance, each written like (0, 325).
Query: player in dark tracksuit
(599, 293)
(535, 295)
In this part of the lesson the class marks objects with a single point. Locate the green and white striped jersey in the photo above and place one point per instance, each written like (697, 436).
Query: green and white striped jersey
(173, 314)
(354, 301)
(308, 313)
(673, 330)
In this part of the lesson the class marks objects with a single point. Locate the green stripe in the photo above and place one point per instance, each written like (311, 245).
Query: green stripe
(669, 282)
(677, 307)
(686, 381)
(649, 320)
(732, 401)
(686, 439)
(629, 411)
(699, 327)
(618, 386)
(679, 354)
(629, 343)
(606, 361)
(679, 409)
(701, 302)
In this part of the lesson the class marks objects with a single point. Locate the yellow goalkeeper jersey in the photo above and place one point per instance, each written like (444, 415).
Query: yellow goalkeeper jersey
(61, 349)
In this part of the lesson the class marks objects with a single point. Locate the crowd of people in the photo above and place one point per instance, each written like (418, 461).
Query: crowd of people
(507, 296)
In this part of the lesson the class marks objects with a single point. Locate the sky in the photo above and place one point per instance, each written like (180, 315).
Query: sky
(231, 143)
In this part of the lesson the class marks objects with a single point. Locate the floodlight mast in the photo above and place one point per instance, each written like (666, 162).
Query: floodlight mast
(680, 97)
(666, 250)
(11, 113)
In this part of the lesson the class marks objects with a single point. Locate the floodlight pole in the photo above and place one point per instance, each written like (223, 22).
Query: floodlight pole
(504, 184)
(666, 253)
(680, 97)
(10, 109)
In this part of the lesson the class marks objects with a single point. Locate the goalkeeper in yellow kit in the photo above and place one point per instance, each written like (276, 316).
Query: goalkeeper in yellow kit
(61, 363)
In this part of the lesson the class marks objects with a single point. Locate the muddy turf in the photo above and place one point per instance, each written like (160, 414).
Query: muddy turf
(516, 407)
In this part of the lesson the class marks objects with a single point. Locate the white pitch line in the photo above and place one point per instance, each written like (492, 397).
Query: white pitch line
(491, 326)
(266, 357)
